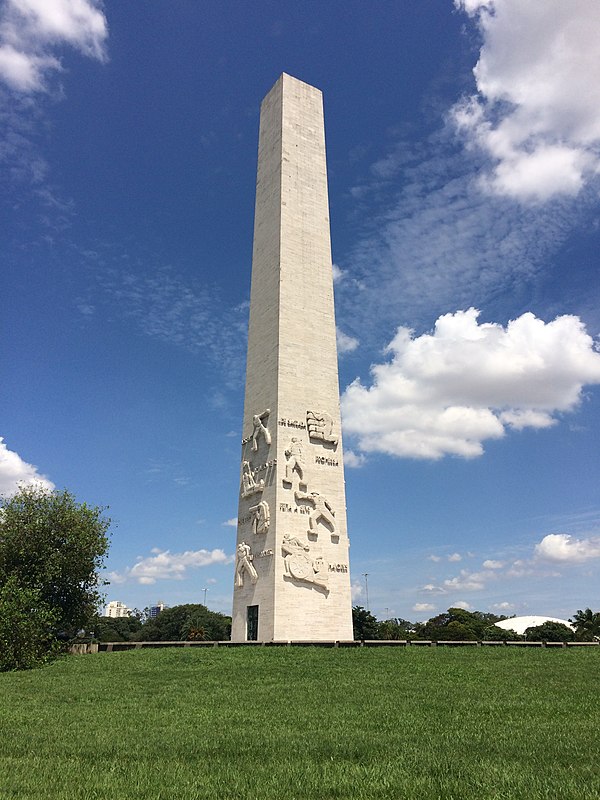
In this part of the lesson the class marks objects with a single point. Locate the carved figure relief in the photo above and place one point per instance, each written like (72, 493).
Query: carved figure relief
(250, 485)
(260, 429)
(322, 510)
(261, 517)
(295, 461)
(301, 565)
(244, 564)
(321, 426)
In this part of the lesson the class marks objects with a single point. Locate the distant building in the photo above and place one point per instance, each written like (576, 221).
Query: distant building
(117, 609)
(155, 610)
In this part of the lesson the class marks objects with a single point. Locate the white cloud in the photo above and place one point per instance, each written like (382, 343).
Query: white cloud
(434, 558)
(462, 604)
(504, 607)
(455, 557)
(537, 111)
(491, 564)
(164, 565)
(345, 343)
(353, 460)
(423, 607)
(466, 581)
(563, 547)
(14, 471)
(448, 391)
(430, 588)
(230, 523)
(338, 273)
(29, 29)
(356, 590)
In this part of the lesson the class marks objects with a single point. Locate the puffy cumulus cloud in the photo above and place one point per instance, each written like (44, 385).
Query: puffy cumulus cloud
(563, 547)
(164, 565)
(434, 558)
(537, 107)
(455, 557)
(15, 472)
(230, 523)
(491, 564)
(423, 607)
(466, 581)
(345, 343)
(503, 608)
(446, 392)
(462, 604)
(29, 29)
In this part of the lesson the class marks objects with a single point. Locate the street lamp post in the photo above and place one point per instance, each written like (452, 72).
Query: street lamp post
(366, 577)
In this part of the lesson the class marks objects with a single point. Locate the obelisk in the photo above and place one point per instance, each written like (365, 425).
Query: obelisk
(292, 580)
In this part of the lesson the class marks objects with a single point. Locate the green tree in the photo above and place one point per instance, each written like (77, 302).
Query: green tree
(53, 546)
(587, 625)
(550, 632)
(395, 629)
(115, 629)
(495, 634)
(364, 624)
(184, 623)
(456, 624)
(26, 627)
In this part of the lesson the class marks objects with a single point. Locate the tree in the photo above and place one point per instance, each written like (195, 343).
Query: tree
(495, 634)
(456, 624)
(51, 548)
(116, 629)
(587, 625)
(185, 623)
(395, 629)
(364, 624)
(26, 628)
(550, 632)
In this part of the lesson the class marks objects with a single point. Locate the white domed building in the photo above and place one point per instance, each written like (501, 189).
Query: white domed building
(520, 624)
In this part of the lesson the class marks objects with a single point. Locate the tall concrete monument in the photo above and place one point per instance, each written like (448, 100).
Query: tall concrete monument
(292, 578)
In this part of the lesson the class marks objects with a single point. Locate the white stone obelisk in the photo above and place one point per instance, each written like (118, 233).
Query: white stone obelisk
(292, 580)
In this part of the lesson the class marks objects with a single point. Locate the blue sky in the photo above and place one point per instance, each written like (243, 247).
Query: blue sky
(464, 159)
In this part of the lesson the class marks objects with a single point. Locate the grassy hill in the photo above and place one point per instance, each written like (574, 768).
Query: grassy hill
(304, 723)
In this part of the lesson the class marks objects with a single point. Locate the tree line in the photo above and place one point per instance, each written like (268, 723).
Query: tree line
(190, 622)
(458, 625)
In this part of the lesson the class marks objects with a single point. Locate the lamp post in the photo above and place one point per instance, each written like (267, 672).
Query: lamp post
(366, 577)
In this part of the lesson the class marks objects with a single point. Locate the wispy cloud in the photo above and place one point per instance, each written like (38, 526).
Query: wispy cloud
(448, 391)
(14, 471)
(32, 31)
(164, 565)
(165, 306)
(435, 237)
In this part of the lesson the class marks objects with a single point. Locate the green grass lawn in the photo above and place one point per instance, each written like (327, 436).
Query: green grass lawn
(304, 723)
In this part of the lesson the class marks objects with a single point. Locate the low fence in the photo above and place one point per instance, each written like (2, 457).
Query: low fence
(112, 647)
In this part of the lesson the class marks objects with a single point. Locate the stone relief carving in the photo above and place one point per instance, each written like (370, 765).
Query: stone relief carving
(295, 461)
(250, 485)
(301, 565)
(322, 511)
(260, 429)
(321, 427)
(244, 564)
(261, 517)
